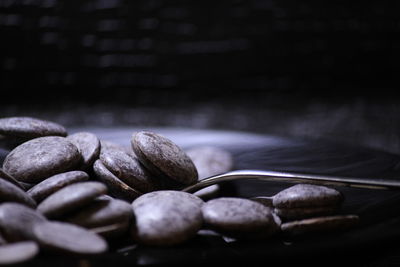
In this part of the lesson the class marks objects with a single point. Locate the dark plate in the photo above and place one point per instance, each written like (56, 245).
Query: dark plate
(379, 210)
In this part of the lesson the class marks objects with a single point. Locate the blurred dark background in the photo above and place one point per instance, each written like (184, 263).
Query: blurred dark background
(312, 69)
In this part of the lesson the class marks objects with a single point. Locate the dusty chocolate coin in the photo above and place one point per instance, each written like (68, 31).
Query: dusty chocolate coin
(16, 221)
(209, 161)
(116, 187)
(55, 183)
(239, 217)
(11, 193)
(162, 157)
(68, 238)
(128, 169)
(71, 197)
(9, 178)
(102, 212)
(305, 195)
(39, 158)
(18, 252)
(166, 217)
(88, 145)
(320, 224)
(28, 127)
(305, 200)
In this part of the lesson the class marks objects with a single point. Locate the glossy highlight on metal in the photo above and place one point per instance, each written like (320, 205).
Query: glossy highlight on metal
(294, 177)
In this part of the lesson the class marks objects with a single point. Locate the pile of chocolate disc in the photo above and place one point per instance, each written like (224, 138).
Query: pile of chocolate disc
(72, 194)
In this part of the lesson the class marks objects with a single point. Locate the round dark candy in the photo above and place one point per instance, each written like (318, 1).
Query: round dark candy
(71, 198)
(27, 127)
(166, 217)
(55, 183)
(162, 157)
(37, 159)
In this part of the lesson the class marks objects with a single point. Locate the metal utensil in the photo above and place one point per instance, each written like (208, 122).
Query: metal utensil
(294, 177)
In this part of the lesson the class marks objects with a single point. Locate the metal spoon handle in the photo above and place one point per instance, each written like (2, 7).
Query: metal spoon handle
(294, 177)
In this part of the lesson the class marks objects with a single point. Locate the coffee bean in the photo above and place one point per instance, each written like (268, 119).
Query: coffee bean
(18, 252)
(29, 128)
(166, 217)
(37, 159)
(210, 161)
(116, 187)
(88, 145)
(9, 178)
(11, 193)
(306, 195)
(162, 157)
(129, 170)
(55, 183)
(70, 198)
(320, 224)
(240, 218)
(68, 238)
(102, 212)
(17, 221)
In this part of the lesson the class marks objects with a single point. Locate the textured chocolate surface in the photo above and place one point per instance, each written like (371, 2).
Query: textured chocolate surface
(17, 221)
(306, 195)
(18, 252)
(37, 159)
(115, 186)
(12, 193)
(161, 156)
(239, 217)
(55, 183)
(88, 145)
(71, 198)
(69, 238)
(101, 212)
(128, 169)
(28, 127)
(166, 217)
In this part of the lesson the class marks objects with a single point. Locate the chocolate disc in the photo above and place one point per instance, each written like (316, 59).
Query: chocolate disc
(71, 198)
(18, 252)
(17, 221)
(55, 183)
(69, 238)
(37, 159)
(27, 127)
(88, 145)
(11, 193)
(162, 157)
(166, 217)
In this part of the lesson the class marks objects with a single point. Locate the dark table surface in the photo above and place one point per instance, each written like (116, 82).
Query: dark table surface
(373, 241)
